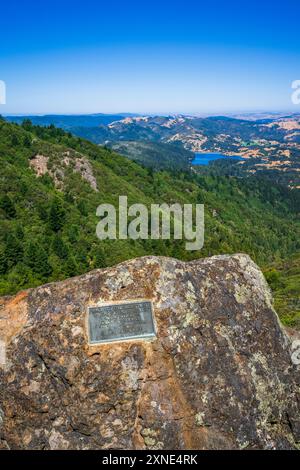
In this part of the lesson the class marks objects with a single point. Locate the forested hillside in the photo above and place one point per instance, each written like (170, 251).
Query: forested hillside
(156, 155)
(268, 147)
(284, 279)
(51, 184)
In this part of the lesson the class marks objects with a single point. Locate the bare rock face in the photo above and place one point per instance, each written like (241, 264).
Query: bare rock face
(55, 166)
(218, 375)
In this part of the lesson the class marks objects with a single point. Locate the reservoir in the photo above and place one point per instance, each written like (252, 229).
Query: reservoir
(206, 158)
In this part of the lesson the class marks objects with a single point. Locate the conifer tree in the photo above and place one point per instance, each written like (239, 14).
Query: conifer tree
(13, 250)
(60, 248)
(7, 206)
(36, 258)
(56, 215)
(3, 261)
(71, 267)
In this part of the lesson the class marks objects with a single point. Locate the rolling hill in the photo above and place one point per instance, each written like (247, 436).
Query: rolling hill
(269, 146)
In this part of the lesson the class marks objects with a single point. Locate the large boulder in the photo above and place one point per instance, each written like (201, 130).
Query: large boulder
(218, 375)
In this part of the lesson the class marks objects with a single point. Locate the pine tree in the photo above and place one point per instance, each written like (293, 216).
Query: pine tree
(56, 215)
(7, 206)
(27, 141)
(73, 233)
(60, 248)
(71, 267)
(36, 258)
(19, 232)
(42, 265)
(82, 207)
(13, 250)
(14, 140)
(3, 261)
(100, 261)
(27, 125)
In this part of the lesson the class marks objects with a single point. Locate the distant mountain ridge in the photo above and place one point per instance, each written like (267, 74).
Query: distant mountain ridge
(69, 121)
(269, 146)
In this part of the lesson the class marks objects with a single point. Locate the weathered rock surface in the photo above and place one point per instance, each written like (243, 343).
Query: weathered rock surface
(219, 374)
(55, 166)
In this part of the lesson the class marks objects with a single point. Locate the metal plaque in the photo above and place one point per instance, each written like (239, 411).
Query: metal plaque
(120, 322)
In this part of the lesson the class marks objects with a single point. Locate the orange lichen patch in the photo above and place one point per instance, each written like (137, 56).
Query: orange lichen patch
(13, 315)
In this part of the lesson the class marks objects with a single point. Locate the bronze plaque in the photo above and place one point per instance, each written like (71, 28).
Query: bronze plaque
(121, 322)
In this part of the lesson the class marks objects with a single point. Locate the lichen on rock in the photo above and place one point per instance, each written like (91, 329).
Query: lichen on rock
(218, 374)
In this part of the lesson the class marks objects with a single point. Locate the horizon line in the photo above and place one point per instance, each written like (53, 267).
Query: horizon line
(145, 114)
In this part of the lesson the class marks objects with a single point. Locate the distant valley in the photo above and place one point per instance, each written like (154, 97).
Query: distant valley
(269, 146)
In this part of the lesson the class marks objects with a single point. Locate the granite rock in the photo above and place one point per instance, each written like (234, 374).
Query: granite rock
(218, 375)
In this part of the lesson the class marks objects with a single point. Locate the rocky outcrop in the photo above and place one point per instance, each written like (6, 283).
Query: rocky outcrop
(56, 165)
(218, 375)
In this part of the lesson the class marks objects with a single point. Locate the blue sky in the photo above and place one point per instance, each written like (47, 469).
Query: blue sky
(148, 57)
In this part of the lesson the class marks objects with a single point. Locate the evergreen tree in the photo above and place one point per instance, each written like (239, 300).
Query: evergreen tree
(60, 248)
(27, 141)
(100, 259)
(3, 261)
(56, 215)
(36, 258)
(19, 232)
(73, 233)
(14, 140)
(7, 206)
(82, 207)
(27, 125)
(71, 268)
(13, 250)
(42, 265)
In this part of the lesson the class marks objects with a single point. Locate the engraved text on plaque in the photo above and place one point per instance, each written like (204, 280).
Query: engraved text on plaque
(120, 321)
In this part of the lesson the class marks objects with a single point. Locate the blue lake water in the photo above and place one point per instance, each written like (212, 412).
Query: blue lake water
(206, 158)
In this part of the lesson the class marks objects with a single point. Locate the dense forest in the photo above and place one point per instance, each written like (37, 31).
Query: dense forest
(284, 279)
(155, 155)
(52, 182)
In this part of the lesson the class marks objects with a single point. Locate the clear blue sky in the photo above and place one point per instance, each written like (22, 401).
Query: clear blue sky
(157, 56)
